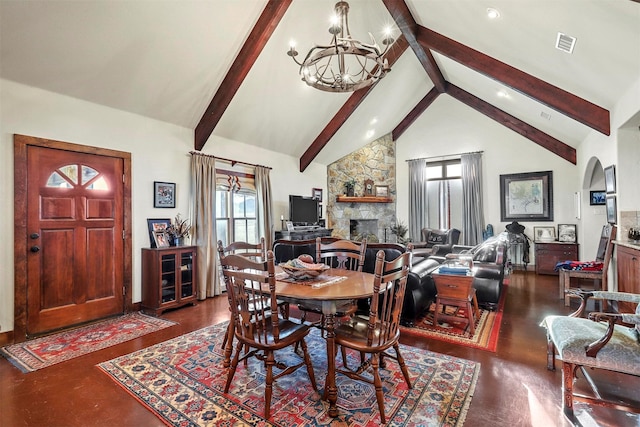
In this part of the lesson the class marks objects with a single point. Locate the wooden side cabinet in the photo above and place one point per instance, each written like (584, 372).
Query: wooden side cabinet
(628, 273)
(548, 254)
(168, 278)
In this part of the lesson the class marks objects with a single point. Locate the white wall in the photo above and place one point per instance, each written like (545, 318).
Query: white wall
(159, 152)
(450, 127)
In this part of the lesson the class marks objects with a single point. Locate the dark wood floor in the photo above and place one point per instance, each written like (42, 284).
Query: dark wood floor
(514, 388)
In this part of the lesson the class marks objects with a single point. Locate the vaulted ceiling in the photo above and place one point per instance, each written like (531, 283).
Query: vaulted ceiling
(220, 67)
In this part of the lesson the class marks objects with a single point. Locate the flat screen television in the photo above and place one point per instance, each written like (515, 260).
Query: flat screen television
(303, 210)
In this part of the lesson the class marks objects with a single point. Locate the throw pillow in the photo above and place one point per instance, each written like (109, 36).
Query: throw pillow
(437, 238)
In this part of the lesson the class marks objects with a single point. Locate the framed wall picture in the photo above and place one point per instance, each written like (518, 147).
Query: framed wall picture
(381, 191)
(156, 225)
(567, 233)
(612, 210)
(526, 196)
(164, 194)
(597, 198)
(610, 179)
(544, 234)
(316, 193)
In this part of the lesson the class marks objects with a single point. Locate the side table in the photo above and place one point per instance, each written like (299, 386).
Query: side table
(456, 290)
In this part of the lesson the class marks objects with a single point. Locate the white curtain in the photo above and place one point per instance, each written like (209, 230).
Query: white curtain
(473, 210)
(264, 202)
(203, 195)
(418, 198)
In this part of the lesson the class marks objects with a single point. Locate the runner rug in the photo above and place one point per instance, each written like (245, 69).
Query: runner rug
(487, 327)
(42, 352)
(182, 381)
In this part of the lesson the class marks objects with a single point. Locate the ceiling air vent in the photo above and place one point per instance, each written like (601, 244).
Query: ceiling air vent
(565, 43)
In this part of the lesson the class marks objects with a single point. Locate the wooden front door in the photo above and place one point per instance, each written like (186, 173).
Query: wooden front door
(75, 232)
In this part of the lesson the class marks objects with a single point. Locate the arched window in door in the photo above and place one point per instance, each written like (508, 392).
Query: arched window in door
(67, 177)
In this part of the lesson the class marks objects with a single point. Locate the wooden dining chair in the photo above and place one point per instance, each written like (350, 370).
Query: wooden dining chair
(341, 254)
(603, 256)
(256, 252)
(380, 331)
(258, 327)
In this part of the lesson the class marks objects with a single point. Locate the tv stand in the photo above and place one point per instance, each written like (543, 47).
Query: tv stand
(303, 233)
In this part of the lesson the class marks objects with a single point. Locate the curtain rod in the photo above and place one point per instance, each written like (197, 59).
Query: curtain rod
(445, 156)
(233, 162)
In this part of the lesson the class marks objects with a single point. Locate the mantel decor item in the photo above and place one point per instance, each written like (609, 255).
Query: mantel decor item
(164, 194)
(344, 64)
(610, 179)
(526, 196)
(350, 186)
(382, 191)
(316, 193)
(368, 187)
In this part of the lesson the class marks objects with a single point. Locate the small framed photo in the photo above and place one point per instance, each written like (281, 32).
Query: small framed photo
(157, 225)
(319, 210)
(612, 211)
(316, 193)
(164, 194)
(567, 233)
(161, 238)
(544, 234)
(290, 226)
(597, 198)
(382, 191)
(610, 179)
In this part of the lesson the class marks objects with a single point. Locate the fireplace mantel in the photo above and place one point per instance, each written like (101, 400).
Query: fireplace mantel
(363, 199)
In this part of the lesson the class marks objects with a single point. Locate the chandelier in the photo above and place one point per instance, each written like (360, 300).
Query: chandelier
(346, 64)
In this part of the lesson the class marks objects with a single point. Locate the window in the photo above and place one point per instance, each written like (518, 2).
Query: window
(236, 218)
(444, 191)
(67, 177)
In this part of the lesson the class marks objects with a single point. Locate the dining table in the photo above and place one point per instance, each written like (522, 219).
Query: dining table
(328, 292)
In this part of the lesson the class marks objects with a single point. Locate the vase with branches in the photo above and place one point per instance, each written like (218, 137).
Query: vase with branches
(179, 230)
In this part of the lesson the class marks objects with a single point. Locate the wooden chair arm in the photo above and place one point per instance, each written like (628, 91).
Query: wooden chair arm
(584, 296)
(611, 318)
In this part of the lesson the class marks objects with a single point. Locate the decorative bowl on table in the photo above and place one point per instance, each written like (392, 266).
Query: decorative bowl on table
(298, 270)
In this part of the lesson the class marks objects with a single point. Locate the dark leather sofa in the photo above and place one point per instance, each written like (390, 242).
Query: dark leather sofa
(420, 287)
(489, 261)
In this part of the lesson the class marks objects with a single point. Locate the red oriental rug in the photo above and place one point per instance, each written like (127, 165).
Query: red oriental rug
(42, 352)
(487, 327)
(182, 381)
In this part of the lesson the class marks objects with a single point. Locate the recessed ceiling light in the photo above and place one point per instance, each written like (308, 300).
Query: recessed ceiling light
(493, 13)
(370, 133)
(503, 94)
(373, 121)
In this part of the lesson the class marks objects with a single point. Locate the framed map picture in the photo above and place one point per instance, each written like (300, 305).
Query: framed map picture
(526, 196)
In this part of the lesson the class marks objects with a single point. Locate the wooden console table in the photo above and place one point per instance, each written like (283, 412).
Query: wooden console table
(548, 254)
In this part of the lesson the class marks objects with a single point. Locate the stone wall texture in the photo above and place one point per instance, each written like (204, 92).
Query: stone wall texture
(375, 161)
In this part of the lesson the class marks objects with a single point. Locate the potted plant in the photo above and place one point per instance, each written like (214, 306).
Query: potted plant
(400, 230)
(178, 230)
(350, 185)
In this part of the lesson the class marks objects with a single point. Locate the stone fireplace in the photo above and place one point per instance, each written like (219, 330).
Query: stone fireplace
(377, 162)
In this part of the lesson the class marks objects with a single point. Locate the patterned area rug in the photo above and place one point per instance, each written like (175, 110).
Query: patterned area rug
(42, 352)
(182, 382)
(485, 336)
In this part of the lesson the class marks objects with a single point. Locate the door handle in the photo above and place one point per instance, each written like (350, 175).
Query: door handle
(35, 249)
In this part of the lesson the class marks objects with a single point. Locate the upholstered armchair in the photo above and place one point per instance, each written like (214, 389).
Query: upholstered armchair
(608, 341)
(436, 242)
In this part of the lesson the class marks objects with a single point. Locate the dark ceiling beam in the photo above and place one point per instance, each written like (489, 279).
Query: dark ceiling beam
(260, 34)
(415, 113)
(408, 27)
(396, 50)
(546, 141)
(560, 100)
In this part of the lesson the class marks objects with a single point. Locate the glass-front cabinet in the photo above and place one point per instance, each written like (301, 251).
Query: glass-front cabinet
(168, 278)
